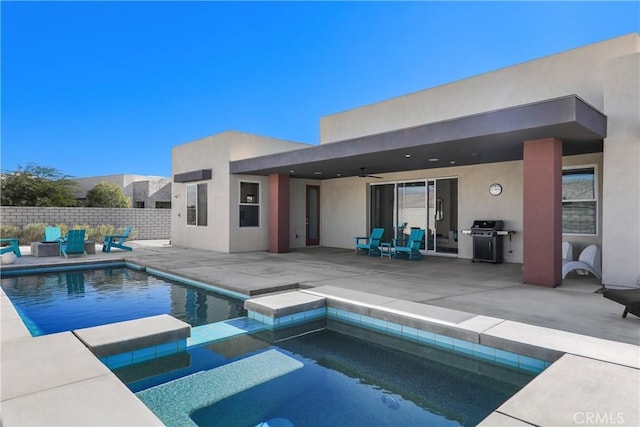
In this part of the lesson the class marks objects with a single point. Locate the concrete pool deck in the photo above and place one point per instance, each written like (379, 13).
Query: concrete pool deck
(482, 289)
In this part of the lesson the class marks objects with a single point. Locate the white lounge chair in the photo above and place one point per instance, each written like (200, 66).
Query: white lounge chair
(588, 260)
(567, 251)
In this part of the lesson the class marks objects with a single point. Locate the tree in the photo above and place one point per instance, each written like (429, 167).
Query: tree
(36, 185)
(107, 195)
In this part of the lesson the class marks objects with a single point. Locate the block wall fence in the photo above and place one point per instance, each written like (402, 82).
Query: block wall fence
(151, 224)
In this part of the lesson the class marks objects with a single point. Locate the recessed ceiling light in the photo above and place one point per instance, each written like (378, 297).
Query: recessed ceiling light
(453, 162)
(291, 171)
(338, 174)
(433, 160)
(407, 155)
(474, 154)
(317, 173)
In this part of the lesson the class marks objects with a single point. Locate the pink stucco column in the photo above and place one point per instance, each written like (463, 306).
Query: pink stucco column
(278, 213)
(542, 222)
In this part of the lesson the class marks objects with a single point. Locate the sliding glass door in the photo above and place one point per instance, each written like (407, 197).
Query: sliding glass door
(381, 212)
(411, 208)
(431, 205)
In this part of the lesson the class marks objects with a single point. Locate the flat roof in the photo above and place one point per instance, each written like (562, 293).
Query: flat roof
(493, 136)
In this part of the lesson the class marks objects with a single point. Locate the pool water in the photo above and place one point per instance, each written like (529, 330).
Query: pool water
(343, 381)
(64, 301)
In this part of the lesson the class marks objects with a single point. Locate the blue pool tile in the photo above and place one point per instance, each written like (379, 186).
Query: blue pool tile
(394, 328)
(444, 341)
(257, 316)
(530, 364)
(143, 354)
(409, 333)
(462, 346)
(380, 325)
(354, 317)
(484, 352)
(426, 337)
(332, 312)
(120, 360)
(315, 313)
(367, 321)
(342, 314)
(297, 317)
(284, 320)
(507, 358)
(181, 345)
(166, 349)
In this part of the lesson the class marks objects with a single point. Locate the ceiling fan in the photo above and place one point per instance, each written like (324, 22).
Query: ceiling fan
(364, 175)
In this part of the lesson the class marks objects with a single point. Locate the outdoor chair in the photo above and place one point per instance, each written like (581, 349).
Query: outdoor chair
(630, 298)
(52, 235)
(589, 260)
(412, 248)
(567, 251)
(370, 244)
(12, 246)
(116, 241)
(74, 244)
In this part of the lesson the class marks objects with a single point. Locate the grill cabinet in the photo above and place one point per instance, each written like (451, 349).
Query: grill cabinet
(487, 242)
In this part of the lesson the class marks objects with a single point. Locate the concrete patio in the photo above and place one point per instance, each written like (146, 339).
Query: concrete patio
(484, 289)
(480, 288)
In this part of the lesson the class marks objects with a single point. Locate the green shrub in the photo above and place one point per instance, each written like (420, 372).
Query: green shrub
(103, 230)
(7, 231)
(32, 233)
(35, 232)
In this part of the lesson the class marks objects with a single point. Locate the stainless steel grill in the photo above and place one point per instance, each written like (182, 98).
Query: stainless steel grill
(487, 241)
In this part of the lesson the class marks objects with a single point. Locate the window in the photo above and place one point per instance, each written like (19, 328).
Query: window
(138, 205)
(163, 205)
(197, 204)
(249, 204)
(579, 201)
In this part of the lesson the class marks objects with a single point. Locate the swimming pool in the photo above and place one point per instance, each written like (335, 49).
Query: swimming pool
(332, 379)
(68, 300)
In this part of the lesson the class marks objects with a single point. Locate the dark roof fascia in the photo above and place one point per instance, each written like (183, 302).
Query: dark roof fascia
(568, 118)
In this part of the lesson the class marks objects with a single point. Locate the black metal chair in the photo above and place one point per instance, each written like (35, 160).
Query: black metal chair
(630, 298)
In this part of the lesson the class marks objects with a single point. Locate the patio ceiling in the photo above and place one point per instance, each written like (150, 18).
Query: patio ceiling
(494, 136)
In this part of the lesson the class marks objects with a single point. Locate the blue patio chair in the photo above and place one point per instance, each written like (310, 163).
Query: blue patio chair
(74, 244)
(12, 246)
(370, 244)
(52, 235)
(412, 249)
(116, 241)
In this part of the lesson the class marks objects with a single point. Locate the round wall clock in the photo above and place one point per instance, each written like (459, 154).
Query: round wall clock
(495, 189)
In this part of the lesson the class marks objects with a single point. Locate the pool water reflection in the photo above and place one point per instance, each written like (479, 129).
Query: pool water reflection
(64, 301)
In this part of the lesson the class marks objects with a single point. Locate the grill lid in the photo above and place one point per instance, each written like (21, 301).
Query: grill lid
(487, 225)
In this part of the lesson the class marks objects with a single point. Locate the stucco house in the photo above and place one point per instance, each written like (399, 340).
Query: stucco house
(144, 191)
(551, 147)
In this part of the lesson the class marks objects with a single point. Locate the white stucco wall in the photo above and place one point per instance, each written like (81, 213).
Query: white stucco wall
(207, 153)
(222, 232)
(621, 199)
(347, 213)
(579, 71)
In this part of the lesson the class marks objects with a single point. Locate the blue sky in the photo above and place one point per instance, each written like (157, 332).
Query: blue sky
(99, 88)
